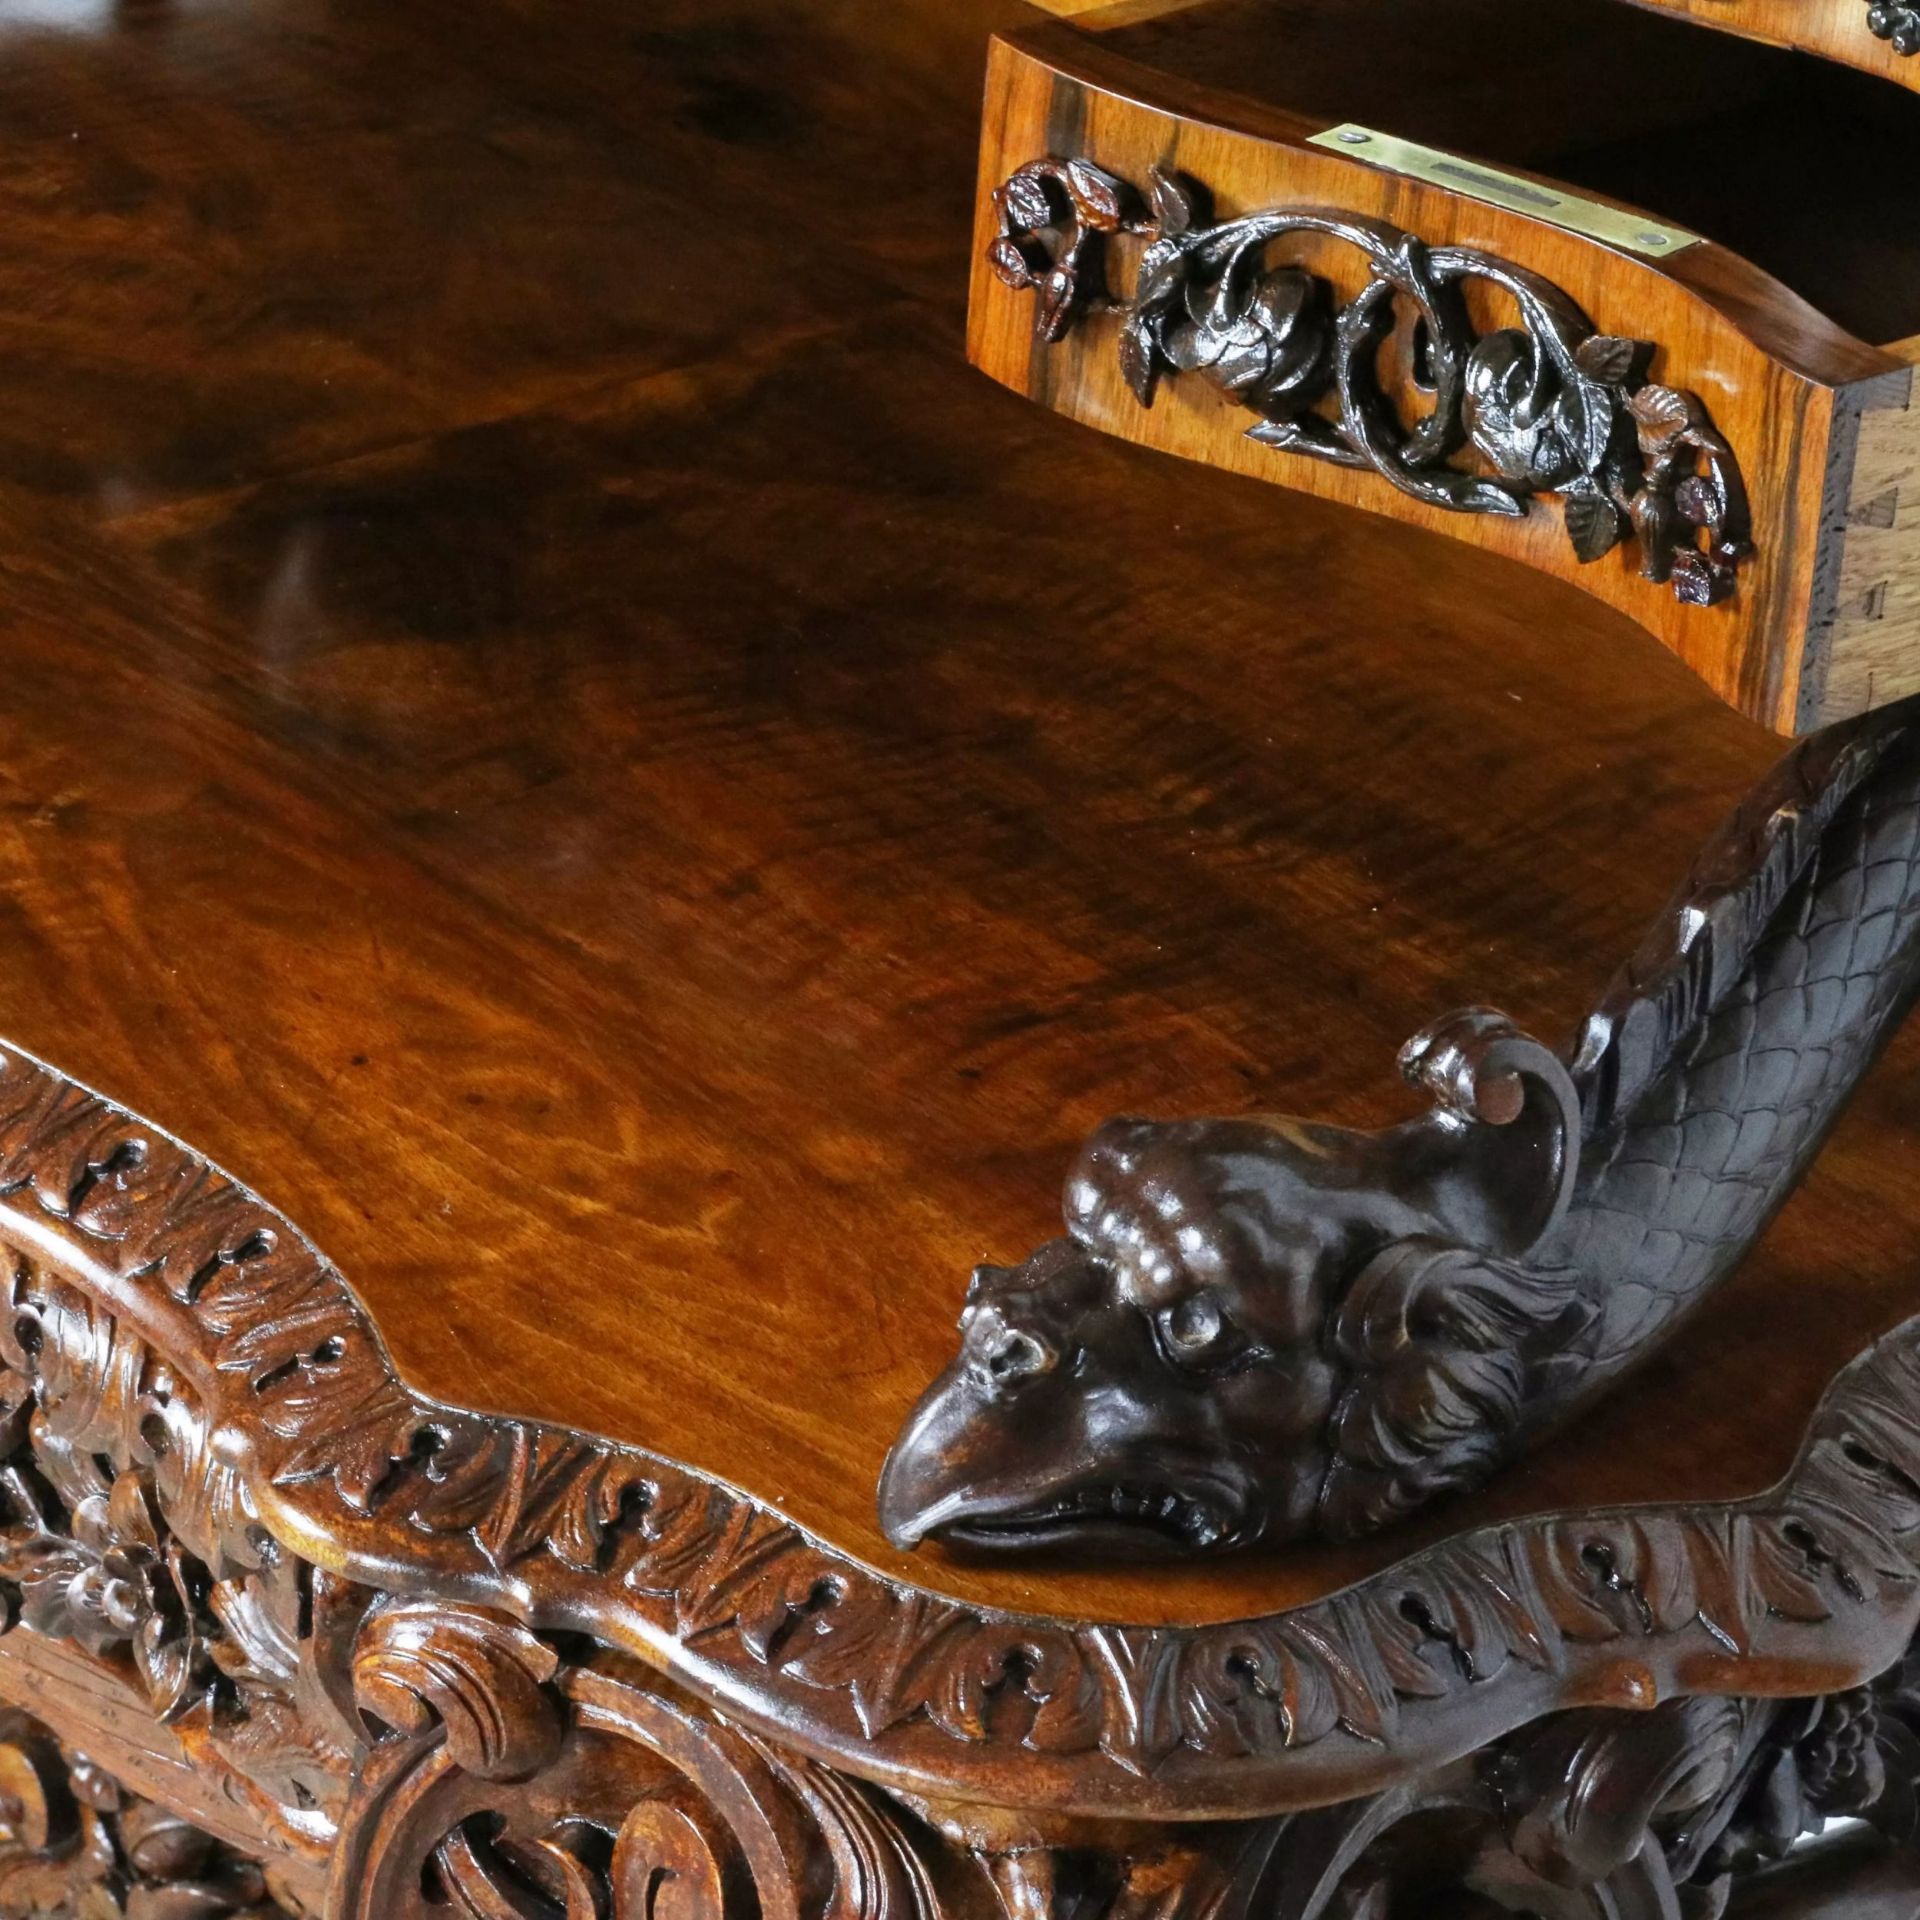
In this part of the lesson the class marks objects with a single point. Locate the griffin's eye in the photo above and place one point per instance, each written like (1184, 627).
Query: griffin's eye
(1196, 1332)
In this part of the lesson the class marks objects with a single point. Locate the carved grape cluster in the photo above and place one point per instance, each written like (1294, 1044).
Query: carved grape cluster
(76, 1845)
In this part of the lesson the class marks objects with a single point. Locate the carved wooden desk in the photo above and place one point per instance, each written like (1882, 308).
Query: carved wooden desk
(555, 728)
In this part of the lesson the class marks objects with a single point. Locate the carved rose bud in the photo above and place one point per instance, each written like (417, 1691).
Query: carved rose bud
(1529, 423)
(1263, 339)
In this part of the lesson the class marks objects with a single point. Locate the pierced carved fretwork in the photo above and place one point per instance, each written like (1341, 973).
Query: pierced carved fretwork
(77, 1845)
(1546, 406)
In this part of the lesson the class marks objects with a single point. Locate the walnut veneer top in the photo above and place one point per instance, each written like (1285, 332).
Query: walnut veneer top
(550, 723)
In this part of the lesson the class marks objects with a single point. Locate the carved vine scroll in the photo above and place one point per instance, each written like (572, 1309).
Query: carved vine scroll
(1545, 406)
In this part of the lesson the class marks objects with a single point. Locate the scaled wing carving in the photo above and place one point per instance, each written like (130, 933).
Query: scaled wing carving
(1262, 1329)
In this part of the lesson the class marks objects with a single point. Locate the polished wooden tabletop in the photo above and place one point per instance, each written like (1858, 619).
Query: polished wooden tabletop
(553, 725)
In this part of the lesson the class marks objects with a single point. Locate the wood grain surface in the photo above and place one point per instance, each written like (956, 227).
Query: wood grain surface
(552, 724)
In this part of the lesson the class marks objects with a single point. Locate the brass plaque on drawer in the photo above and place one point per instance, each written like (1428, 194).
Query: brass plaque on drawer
(1614, 225)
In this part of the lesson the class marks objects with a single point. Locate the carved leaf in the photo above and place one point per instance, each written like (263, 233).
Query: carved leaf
(1594, 524)
(1663, 415)
(273, 1745)
(1023, 202)
(1716, 1563)
(1488, 1611)
(975, 1668)
(678, 1531)
(1138, 1670)
(1009, 261)
(1165, 268)
(1609, 358)
(356, 1433)
(884, 1647)
(1072, 1712)
(1097, 196)
(593, 1506)
(1367, 1710)
(261, 1643)
(509, 1493)
(1795, 1574)
(1139, 358)
(1235, 1697)
(1175, 202)
(49, 1574)
(1384, 1622)
(757, 1574)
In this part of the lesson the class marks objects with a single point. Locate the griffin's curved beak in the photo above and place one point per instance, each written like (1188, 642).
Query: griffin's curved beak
(1010, 1452)
(936, 1462)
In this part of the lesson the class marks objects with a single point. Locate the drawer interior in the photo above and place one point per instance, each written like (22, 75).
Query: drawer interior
(1807, 169)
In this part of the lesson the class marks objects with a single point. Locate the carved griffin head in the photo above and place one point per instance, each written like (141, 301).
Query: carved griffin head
(1260, 1329)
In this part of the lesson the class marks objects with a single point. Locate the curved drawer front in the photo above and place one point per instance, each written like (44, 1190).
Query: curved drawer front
(1570, 382)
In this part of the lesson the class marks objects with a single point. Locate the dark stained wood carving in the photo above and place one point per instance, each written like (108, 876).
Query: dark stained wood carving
(1261, 1330)
(207, 1398)
(403, 1657)
(1895, 22)
(435, 1662)
(77, 1845)
(1550, 406)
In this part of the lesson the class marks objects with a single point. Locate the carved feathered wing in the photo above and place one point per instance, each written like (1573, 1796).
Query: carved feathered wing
(1698, 948)
(1453, 1349)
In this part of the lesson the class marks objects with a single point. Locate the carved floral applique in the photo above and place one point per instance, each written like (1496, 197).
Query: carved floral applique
(1547, 407)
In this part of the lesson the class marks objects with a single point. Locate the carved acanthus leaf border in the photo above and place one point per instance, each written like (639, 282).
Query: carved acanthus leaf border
(309, 1429)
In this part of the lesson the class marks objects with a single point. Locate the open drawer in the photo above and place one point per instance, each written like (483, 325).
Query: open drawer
(1632, 303)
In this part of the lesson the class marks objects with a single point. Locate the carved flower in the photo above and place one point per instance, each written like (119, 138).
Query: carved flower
(109, 1582)
(1262, 336)
(1550, 423)
(1528, 423)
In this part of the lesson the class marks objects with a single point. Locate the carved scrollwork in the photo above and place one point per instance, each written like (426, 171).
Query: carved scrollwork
(168, 1326)
(76, 1845)
(432, 1753)
(513, 1784)
(1547, 406)
(120, 1532)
